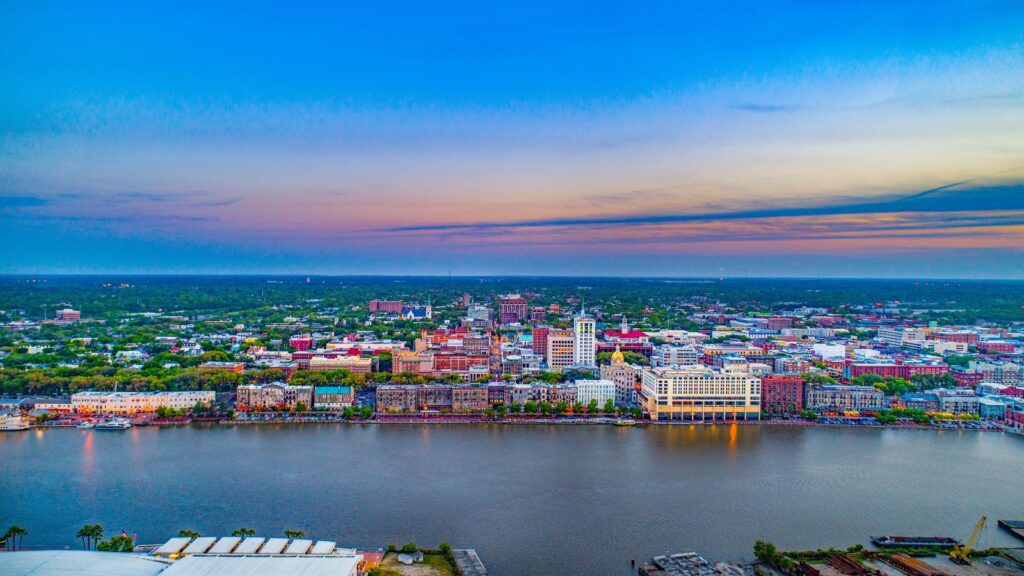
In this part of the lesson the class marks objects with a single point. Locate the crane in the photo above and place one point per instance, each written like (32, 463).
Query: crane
(963, 555)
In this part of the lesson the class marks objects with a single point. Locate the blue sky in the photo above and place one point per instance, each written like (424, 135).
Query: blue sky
(739, 138)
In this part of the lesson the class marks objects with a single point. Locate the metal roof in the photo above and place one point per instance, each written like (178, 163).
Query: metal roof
(78, 562)
(298, 546)
(263, 565)
(324, 547)
(172, 546)
(225, 545)
(274, 546)
(250, 545)
(200, 545)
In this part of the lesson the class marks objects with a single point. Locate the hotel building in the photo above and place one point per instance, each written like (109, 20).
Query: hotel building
(699, 392)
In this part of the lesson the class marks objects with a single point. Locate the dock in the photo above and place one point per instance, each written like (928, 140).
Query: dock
(1015, 527)
(469, 562)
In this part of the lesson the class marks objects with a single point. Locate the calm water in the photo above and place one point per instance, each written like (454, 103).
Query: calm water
(529, 499)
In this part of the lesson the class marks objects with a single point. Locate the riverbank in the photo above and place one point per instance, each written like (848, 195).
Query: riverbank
(470, 419)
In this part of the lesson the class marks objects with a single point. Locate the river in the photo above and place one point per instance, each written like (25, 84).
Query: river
(530, 499)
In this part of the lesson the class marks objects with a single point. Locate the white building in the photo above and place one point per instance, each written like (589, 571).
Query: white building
(137, 402)
(675, 355)
(700, 392)
(600, 390)
(829, 351)
(899, 335)
(584, 340)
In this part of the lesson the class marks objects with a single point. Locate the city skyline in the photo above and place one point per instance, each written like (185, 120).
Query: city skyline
(674, 140)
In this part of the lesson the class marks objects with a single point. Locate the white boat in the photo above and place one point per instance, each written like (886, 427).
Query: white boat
(12, 422)
(86, 424)
(114, 424)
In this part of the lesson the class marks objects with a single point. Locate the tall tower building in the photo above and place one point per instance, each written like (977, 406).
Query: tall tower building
(585, 343)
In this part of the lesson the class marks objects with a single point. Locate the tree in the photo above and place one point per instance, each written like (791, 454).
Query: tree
(592, 406)
(561, 407)
(13, 536)
(117, 543)
(90, 534)
(409, 547)
(808, 414)
(609, 406)
(294, 533)
(515, 408)
(301, 407)
(243, 532)
(186, 533)
(531, 407)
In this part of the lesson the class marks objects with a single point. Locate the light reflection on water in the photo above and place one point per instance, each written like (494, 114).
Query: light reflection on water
(526, 497)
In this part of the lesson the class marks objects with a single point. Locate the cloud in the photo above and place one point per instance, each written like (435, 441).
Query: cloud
(951, 197)
(215, 203)
(767, 108)
(21, 201)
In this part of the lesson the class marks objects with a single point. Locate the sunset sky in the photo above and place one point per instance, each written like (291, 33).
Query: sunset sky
(676, 139)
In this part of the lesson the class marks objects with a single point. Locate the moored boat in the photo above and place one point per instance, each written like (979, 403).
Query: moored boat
(115, 424)
(12, 422)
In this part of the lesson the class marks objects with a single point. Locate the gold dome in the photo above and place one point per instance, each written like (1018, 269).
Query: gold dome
(618, 357)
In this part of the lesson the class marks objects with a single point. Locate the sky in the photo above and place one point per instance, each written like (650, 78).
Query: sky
(812, 139)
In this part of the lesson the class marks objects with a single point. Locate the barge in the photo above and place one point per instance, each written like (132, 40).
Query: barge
(914, 541)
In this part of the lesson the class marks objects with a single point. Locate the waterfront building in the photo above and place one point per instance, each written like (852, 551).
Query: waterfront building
(782, 393)
(925, 401)
(699, 392)
(838, 398)
(332, 397)
(396, 398)
(59, 404)
(561, 350)
(599, 390)
(584, 340)
(273, 395)
(958, 401)
(471, 398)
(100, 402)
(991, 409)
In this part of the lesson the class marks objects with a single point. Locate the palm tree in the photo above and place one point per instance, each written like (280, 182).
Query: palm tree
(14, 536)
(243, 532)
(294, 533)
(186, 533)
(90, 534)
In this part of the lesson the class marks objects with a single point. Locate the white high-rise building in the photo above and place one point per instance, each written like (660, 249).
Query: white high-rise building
(584, 340)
